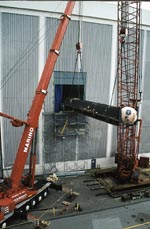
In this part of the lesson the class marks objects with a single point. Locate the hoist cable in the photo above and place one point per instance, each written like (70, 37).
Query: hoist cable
(140, 56)
(79, 22)
(78, 56)
(115, 81)
(75, 68)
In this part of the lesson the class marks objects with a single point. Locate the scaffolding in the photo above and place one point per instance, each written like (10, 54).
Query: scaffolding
(69, 124)
(65, 137)
(128, 137)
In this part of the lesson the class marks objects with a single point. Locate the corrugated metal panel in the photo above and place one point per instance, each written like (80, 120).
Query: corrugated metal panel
(67, 57)
(20, 73)
(51, 27)
(96, 56)
(145, 143)
(146, 95)
(97, 42)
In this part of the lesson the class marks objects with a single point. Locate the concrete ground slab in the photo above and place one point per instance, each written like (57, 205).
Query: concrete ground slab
(97, 212)
(113, 223)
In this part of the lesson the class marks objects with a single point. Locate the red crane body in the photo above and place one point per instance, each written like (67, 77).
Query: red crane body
(15, 192)
(41, 92)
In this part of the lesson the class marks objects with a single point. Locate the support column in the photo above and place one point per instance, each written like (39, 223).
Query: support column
(112, 83)
(1, 108)
(142, 61)
(41, 63)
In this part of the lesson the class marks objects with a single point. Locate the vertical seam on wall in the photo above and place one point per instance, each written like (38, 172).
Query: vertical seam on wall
(143, 66)
(1, 119)
(41, 63)
(112, 80)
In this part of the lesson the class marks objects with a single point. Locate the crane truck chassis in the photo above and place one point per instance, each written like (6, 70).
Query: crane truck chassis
(20, 192)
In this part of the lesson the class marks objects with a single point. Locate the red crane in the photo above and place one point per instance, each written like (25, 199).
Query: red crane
(18, 190)
(128, 136)
(128, 96)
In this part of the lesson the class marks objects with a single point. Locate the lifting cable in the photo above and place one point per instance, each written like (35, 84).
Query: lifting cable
(140, 76)
(79, 46)
(78, 61)
(113, 91)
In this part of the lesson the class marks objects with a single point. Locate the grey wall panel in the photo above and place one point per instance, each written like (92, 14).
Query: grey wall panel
(145, 133)
(96, 57)
(20, 73)
(20, 47)
(97, 41)
(50, 28)
(114, 142)
(145, 143)
(146, 94)
(66, 59)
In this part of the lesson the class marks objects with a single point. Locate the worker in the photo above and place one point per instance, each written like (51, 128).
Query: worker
(77, 207)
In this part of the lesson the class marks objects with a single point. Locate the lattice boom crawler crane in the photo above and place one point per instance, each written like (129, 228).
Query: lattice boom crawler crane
(125, 114)
(19, 191)
(128, 136)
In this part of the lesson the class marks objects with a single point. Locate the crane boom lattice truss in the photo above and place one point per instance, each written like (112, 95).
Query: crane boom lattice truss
(127, 88)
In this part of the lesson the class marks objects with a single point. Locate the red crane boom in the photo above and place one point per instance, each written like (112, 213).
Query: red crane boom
(127, 91)
(17, 192)
(41, 92)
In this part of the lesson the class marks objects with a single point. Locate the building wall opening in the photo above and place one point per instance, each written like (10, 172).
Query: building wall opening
(68, 85)
(63, 92)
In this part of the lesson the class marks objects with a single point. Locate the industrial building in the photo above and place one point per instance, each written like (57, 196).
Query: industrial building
(68, 143)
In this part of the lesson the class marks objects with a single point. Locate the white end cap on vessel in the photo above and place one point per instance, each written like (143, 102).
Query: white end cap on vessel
(128, 115)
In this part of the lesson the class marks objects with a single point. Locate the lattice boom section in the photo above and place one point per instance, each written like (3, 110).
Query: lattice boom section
(127, 89)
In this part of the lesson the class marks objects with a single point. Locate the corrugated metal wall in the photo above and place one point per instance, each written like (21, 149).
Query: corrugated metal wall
(96, 56)
(145, 136)
(20, 37)
(19, 74)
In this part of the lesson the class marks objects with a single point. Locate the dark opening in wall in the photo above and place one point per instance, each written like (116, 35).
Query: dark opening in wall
(62, 92)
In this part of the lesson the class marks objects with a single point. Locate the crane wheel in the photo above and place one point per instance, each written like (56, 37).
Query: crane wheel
(33, 203)
(3, 225)
(27, 207)
(40, 198)
(45, 193)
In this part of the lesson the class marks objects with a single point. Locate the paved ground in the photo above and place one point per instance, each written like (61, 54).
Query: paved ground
(96, 212)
